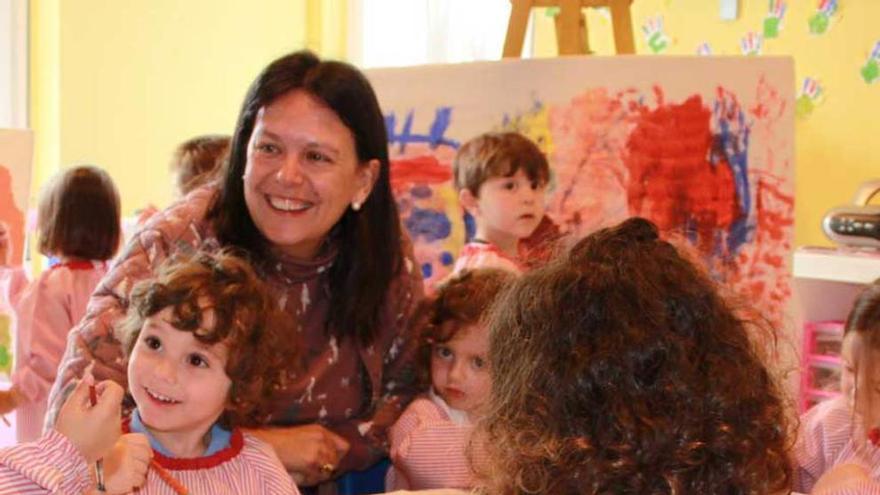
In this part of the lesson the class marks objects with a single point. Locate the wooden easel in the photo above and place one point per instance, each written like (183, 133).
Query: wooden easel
(571, 25)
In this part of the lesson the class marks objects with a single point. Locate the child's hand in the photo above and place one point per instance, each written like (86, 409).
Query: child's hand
(126, 465)
(93, 429)
(9, 400)
(840, 477)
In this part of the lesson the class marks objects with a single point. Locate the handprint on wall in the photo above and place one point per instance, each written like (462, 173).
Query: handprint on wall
(808, 98)
(773, 20)
(751, 44)
(871, 69)
(654, 35)
(820, 21)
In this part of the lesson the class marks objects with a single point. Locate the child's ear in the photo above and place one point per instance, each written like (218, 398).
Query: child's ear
(468, 201)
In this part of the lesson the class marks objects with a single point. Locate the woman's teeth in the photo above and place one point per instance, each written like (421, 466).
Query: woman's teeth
(287, 204)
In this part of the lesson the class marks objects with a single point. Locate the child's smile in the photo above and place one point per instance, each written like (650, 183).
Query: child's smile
(179, 384)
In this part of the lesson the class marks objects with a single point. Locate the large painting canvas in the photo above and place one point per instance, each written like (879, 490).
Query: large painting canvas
(703, 146)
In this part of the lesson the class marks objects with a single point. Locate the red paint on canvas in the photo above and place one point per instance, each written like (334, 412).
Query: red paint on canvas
(424, 169)
(671, 180)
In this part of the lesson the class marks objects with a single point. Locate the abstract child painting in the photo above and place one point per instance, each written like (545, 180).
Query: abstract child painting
(702, 146)
(16, 154)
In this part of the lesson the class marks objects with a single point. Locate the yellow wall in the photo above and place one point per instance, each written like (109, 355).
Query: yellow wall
(121, 83)
(833, 145)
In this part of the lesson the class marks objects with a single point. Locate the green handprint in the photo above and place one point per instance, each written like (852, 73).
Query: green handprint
(870, 71)
(657, 42)
(819, 23)
(771, 26)
(803, 106)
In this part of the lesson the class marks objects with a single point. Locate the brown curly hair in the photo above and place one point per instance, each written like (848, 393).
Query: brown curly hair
(460, 301)
(244, 313)
(618, 369)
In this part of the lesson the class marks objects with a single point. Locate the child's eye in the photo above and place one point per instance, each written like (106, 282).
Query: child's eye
(197, 361)
(443, 352)
(479, 363)
(509, 185)
(152, 342)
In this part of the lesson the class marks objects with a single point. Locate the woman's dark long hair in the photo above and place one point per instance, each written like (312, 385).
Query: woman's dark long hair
(370, 254)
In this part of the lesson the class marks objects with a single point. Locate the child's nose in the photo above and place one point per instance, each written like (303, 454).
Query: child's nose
(456, 372)
(166, 370)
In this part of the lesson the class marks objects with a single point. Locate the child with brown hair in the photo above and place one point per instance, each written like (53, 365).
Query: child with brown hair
(196, 161)
(618, 369)
(430, 439)
(501, 179)
(78, 218)
(203, 359)
(837, 449)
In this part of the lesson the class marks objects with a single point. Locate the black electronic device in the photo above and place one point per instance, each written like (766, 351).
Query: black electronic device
(857, 224)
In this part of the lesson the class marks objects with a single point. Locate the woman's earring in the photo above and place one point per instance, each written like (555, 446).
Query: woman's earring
(356, 206)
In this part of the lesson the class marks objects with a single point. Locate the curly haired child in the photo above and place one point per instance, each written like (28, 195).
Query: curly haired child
(203, 360)
(429, 442)
(618, 369)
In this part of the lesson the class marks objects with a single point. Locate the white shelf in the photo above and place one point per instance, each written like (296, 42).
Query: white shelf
(837, 265)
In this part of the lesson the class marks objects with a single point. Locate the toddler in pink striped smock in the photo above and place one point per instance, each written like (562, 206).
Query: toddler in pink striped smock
(78, 216)
(203, 359)
(838, 447)
(430, 441)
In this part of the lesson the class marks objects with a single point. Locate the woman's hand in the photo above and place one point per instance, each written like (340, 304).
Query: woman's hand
(127, 463)
(310, 452)
(92, 429)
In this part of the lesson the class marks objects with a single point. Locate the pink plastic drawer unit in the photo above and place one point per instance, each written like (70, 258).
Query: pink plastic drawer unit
(820, 362)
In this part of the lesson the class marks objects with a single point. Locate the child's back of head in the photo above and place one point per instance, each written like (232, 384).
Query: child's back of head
(619, 369)
(78, 215)
(197, 160)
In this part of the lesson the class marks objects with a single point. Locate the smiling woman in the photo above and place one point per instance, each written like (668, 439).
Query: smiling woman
(305, 194)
